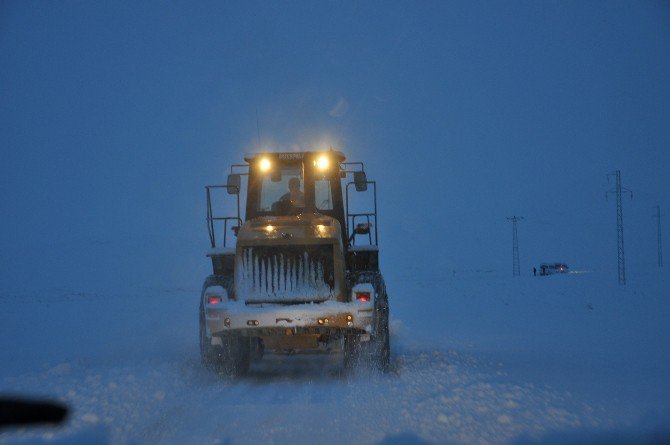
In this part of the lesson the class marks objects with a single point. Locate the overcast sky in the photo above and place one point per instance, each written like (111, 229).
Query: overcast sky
(115, 115)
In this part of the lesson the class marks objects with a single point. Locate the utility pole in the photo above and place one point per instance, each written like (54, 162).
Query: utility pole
(619, 190)
(658, 226)
(516, 270)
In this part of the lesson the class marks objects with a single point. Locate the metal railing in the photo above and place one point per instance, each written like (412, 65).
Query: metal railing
(352, 216)
(211, 218)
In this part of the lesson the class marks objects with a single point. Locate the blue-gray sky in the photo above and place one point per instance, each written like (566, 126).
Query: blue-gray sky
(114, 115)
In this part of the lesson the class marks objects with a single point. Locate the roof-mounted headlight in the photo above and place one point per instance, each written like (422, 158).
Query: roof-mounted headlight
(322, 163)
(264, 164)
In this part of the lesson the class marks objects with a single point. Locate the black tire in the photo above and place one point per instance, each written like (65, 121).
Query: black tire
(209, 355)
(381, 345)
(232, 358)
(376, 353)
(257, 349)
(236, 355)
(351, 351)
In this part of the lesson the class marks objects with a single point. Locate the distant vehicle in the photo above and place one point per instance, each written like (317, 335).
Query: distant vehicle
(552, 268)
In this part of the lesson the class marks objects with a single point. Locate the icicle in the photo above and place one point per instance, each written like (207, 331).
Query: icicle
(282, 275)
(261, 288)
(271, 276)
(247, 278)
(305, 283)
(312, 274)
(256, 273)
(268, 276)
(298, 277)
(240, 279)
(275, 273)
(293, 273)
(319, 275)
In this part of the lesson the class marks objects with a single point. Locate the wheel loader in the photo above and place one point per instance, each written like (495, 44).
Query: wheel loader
(299, 273)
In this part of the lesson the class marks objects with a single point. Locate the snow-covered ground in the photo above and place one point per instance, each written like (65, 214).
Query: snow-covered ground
(478, 358)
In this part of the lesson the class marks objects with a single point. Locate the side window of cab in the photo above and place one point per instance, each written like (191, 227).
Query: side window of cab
(323, 195)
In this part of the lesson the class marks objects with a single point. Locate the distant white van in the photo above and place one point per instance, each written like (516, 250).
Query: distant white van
(552, 268)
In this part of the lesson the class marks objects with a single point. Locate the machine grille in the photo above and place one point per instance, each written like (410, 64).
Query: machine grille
(284, 274)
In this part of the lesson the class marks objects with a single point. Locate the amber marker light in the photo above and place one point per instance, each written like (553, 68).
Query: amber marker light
(269, 228)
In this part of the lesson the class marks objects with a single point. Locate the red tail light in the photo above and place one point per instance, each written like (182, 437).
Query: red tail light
(363, 296)
(213, 299)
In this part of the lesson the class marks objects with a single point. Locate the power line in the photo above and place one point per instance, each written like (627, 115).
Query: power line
(619, 190)
(516, 269)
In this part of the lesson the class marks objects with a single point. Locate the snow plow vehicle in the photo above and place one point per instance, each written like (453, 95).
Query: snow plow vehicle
(302, 275)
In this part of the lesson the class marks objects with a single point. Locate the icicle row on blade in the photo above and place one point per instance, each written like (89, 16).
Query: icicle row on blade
(274, 275)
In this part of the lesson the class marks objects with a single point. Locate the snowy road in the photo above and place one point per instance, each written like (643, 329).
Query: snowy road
(436, 396)
(464, 372)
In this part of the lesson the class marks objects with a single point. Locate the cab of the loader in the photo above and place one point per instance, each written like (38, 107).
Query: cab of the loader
(291, 184)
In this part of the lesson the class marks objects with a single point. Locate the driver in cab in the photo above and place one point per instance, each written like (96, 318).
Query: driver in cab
(295, 197)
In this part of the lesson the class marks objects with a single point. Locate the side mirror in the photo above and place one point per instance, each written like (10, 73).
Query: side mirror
(360, 181)
(233, 184)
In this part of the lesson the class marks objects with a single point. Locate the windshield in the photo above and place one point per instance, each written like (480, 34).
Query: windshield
(282, 191)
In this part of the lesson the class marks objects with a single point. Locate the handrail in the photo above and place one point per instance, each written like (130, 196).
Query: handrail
(374, 213)
(211, 218)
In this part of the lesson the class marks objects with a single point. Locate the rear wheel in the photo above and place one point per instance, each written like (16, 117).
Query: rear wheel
(257, 348)
(351, 351)
(209, 355)
(376, 353)
(381, 345)
(236, 355)
(232, 357)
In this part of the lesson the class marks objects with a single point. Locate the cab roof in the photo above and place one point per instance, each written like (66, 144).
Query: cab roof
(293, 155)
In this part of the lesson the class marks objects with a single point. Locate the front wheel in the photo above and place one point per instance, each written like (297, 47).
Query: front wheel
(232, 357)
(209, 354)
(351, 351)
(373, 354)
(378, 348)
(382, 346)
(236, 355)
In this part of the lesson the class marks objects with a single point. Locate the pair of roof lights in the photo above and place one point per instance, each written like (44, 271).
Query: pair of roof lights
(321, 163)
